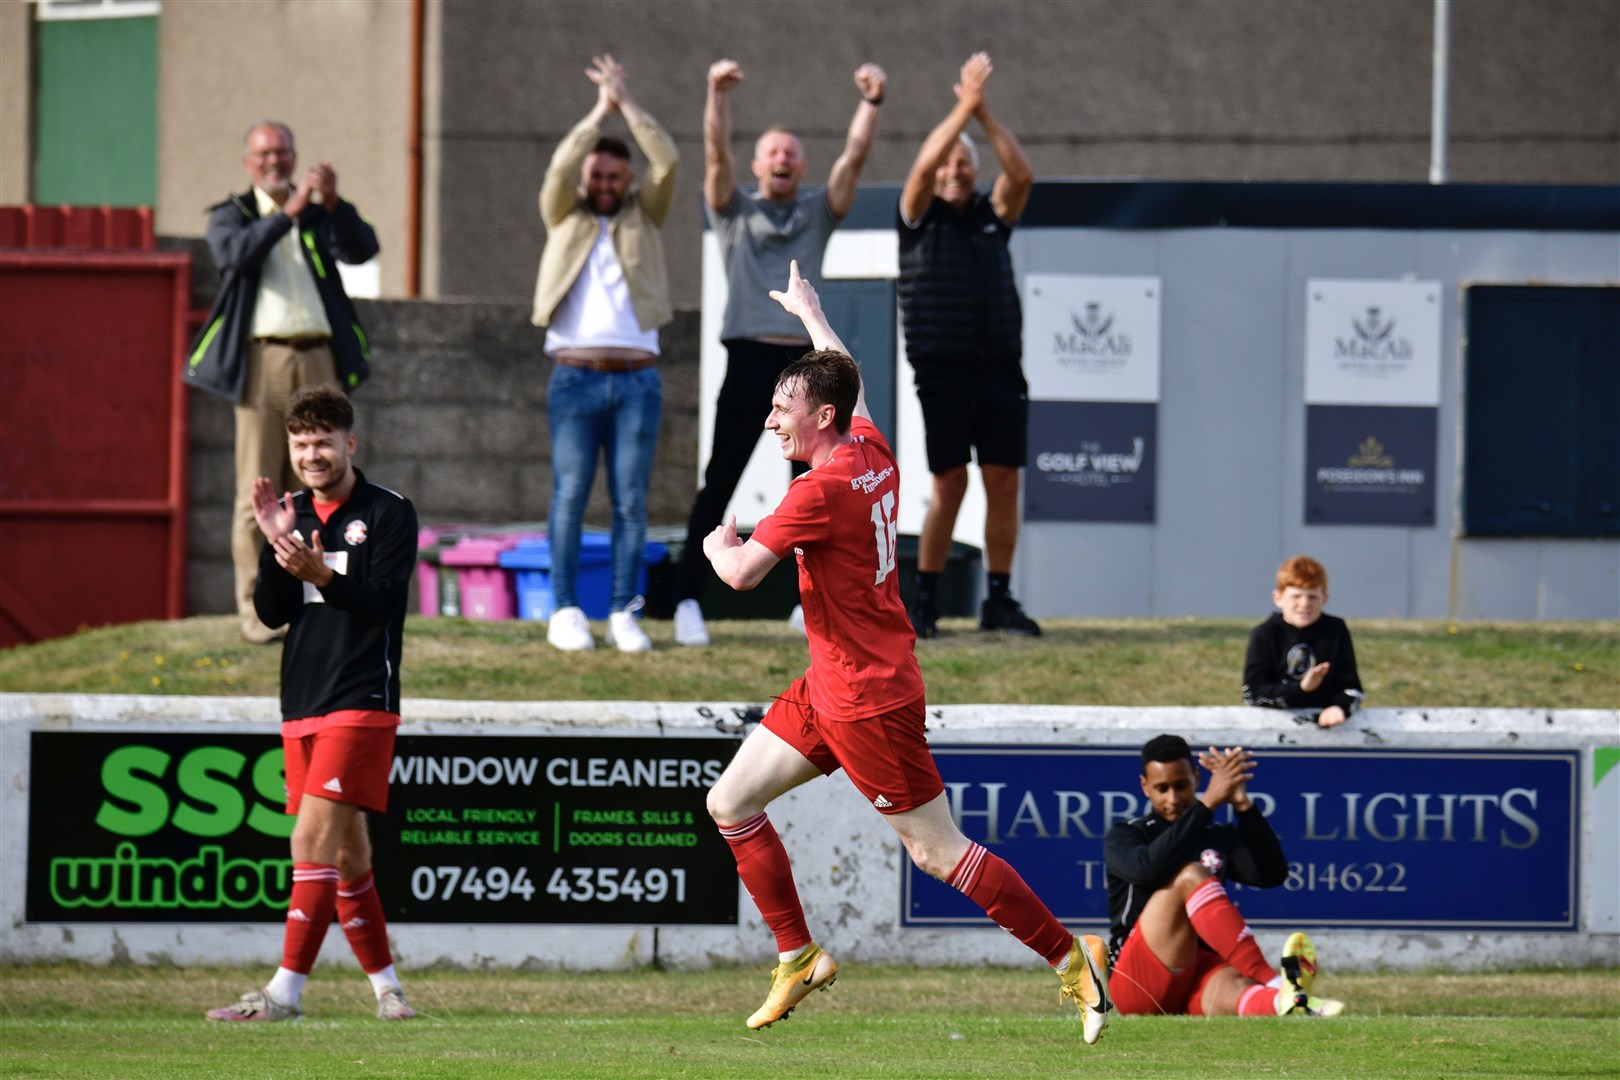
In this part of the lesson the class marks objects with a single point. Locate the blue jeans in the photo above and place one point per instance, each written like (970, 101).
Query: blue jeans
(617, 413)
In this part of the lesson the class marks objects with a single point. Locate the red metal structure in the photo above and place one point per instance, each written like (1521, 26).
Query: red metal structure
(93, 422)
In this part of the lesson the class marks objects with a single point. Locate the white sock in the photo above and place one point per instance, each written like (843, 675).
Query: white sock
(287, 987)
(1276, 982)
(788, 957)
(383, 980)
(1062, 966)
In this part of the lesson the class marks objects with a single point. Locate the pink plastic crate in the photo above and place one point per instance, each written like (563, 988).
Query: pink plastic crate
(486, 589)
(427, 575)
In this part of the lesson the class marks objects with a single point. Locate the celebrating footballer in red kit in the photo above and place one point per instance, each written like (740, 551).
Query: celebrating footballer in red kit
(860, 705)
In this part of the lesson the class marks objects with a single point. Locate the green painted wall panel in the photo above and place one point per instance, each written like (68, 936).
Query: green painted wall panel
(96, 124)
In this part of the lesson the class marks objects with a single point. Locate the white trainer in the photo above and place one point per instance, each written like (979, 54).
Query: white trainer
(391, 1005)
(796, 619)
(569, 630)
(625, 631)
(256, 1005)
(689, 626)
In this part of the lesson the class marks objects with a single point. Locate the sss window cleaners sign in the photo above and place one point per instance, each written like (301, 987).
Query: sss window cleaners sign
(191, 828)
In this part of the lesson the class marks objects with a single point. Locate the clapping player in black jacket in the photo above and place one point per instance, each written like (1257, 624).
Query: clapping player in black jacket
(1180, 946)
(334, 568)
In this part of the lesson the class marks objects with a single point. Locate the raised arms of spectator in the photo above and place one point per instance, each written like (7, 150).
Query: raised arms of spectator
(919, 189)
(240, 241)
(800, 299)
(237, 239)
(1011, 191)
(658, 187)
(719, 171)
(846, 171)
(350, 236)
(1010, 194)
(559, 193)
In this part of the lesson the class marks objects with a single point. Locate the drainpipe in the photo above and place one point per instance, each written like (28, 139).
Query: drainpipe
(413, 161)
(1438, 123)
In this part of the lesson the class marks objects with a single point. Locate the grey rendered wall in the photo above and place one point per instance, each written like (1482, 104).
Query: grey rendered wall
(337, 73)
(455, 417)
(1232, 439)
(1173, 89)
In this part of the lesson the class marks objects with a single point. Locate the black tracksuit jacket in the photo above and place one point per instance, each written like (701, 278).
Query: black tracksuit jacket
(1145, 854)
(343, 641)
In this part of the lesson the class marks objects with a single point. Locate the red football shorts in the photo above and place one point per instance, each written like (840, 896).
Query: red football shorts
(1140, 984)
(886, 756)
(344, 764)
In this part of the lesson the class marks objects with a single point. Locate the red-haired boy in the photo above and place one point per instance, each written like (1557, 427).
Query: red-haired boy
(1301, 658)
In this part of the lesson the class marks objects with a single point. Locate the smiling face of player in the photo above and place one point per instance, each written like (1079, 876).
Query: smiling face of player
(324, 461)
(779, 164)
(1170, 787)
(803, 431)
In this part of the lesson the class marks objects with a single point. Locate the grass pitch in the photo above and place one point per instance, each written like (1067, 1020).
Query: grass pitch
(79, 1021)
(1116, 662)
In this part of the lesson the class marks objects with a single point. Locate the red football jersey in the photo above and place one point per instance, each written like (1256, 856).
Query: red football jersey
(839, 520)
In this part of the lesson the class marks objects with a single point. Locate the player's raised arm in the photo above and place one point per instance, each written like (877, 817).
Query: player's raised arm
(800, 299)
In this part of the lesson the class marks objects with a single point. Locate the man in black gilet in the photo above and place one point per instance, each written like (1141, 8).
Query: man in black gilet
(964, 330)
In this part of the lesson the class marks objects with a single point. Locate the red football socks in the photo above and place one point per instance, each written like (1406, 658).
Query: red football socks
(309, 914)
(1222, 928)
(989, 881)
(360, 913)
(1258, 1001)
(762, 863)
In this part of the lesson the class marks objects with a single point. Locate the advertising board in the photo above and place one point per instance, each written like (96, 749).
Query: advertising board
(1436, 839)
(190, 827)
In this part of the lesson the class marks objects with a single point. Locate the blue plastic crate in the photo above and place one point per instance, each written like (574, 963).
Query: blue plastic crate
(530, 563)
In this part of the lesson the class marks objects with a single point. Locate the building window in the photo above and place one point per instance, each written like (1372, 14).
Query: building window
(1541, 411)
(95, 104)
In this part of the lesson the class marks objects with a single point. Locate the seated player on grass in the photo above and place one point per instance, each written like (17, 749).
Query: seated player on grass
(1179, 946)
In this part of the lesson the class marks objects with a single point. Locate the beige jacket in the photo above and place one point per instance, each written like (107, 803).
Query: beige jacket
(571, 225)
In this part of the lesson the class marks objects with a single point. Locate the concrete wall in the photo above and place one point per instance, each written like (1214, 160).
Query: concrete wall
(16, 102)
(336, 72)
(1179, 89)
(847, 860)
(1184, 89)
(455, 417)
